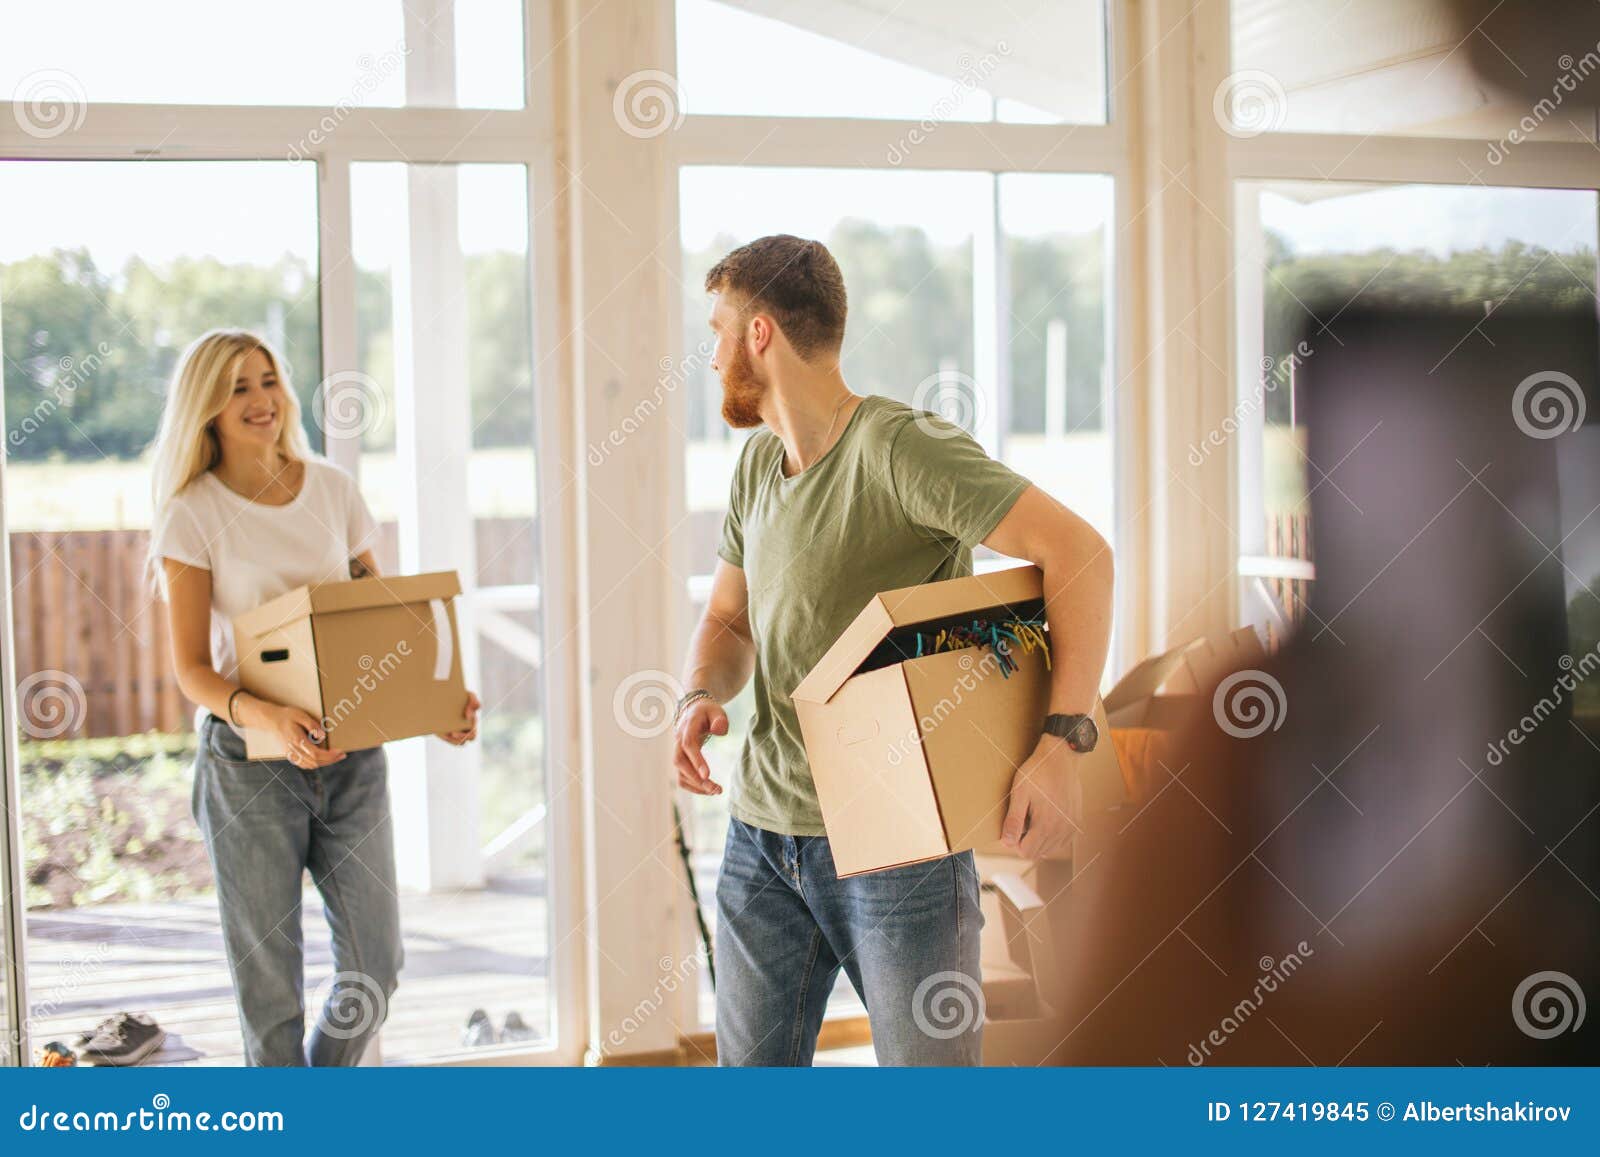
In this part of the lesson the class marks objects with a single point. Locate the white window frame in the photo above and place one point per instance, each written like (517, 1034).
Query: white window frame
(1395, 160)
(418, 136)
(615, 605)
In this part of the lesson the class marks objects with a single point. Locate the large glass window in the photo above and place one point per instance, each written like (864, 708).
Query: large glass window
(57, 57)
(99, 293)
(443, 408)
(904, 242)
(1057, 366)
(1037, 61)
(982, 297)
(1307, 250)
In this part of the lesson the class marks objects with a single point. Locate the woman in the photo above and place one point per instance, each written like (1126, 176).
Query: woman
(244, 512)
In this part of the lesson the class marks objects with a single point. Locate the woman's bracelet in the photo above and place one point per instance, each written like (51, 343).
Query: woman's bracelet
(232, 718)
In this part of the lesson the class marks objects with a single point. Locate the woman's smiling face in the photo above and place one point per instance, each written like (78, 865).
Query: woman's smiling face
(254, 414)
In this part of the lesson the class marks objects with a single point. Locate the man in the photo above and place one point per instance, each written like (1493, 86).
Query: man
(841, 497)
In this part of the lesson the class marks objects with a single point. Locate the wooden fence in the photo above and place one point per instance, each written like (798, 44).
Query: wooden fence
(92, 650)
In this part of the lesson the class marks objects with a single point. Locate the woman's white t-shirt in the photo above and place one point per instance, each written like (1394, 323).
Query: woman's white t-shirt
(256, 552)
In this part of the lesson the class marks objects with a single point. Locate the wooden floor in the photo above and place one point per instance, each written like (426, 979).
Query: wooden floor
(464, 950)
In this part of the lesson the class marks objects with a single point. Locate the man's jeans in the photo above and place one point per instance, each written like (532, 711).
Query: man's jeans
(906, 937)
(265, 822)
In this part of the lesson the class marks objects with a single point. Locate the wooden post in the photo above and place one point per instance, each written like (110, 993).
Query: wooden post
(623, 214)
(434, 786)
(1184, 342)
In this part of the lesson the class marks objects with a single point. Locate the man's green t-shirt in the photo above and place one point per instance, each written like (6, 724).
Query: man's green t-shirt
(901, 499)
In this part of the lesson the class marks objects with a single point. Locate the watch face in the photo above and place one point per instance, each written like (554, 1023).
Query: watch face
(1084, 736)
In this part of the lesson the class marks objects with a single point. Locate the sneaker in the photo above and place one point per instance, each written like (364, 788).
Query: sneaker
(126, 1039)
(515, 1029)
(479, 1030)
(106, 1025)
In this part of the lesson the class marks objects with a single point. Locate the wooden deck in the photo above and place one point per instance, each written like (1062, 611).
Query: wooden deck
(464, 950)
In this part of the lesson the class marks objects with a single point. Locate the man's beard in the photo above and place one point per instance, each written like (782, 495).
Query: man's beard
(741, 392)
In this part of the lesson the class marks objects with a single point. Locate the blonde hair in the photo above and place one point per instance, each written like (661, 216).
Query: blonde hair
(202, 385)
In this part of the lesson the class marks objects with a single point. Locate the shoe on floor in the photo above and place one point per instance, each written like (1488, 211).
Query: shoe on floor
(126, 1039)
(479, 1030)
(516, 1029)
(109, 1023)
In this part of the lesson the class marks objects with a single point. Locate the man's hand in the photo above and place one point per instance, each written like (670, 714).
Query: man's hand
(700, 720)
(1039, 820)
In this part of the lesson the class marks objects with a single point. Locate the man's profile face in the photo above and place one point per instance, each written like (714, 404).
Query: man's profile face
(742, 387)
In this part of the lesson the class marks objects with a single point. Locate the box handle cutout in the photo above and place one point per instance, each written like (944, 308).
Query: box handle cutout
(846, 739)
(278, 655)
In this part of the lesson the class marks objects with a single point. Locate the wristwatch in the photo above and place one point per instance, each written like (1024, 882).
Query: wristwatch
(1078, 730)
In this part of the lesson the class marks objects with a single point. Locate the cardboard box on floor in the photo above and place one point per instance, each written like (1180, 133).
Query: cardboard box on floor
(913, 758)
(1021, 1024)
(375, 659)
(1164, 690)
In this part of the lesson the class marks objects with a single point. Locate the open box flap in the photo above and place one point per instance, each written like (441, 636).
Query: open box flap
(1154, 676)
(1186, 670)
(349, 595)
(908, 605)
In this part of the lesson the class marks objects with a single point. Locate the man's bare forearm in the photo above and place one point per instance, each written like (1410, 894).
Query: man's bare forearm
(721, 658)
(1077, 602)
(1079, 579)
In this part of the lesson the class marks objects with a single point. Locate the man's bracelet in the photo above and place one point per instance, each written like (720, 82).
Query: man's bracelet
(689, 698)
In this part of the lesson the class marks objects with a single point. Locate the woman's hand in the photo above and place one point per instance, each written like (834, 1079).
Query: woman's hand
(300, 732)
(458, 738)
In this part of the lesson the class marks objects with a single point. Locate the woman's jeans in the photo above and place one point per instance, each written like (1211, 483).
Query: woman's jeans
(265, 823)
(907, 938)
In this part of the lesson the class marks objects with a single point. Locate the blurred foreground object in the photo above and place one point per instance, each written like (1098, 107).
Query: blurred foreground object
(1382, 844)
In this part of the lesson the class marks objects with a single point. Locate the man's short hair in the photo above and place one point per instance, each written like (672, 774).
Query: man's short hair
(795, 280)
